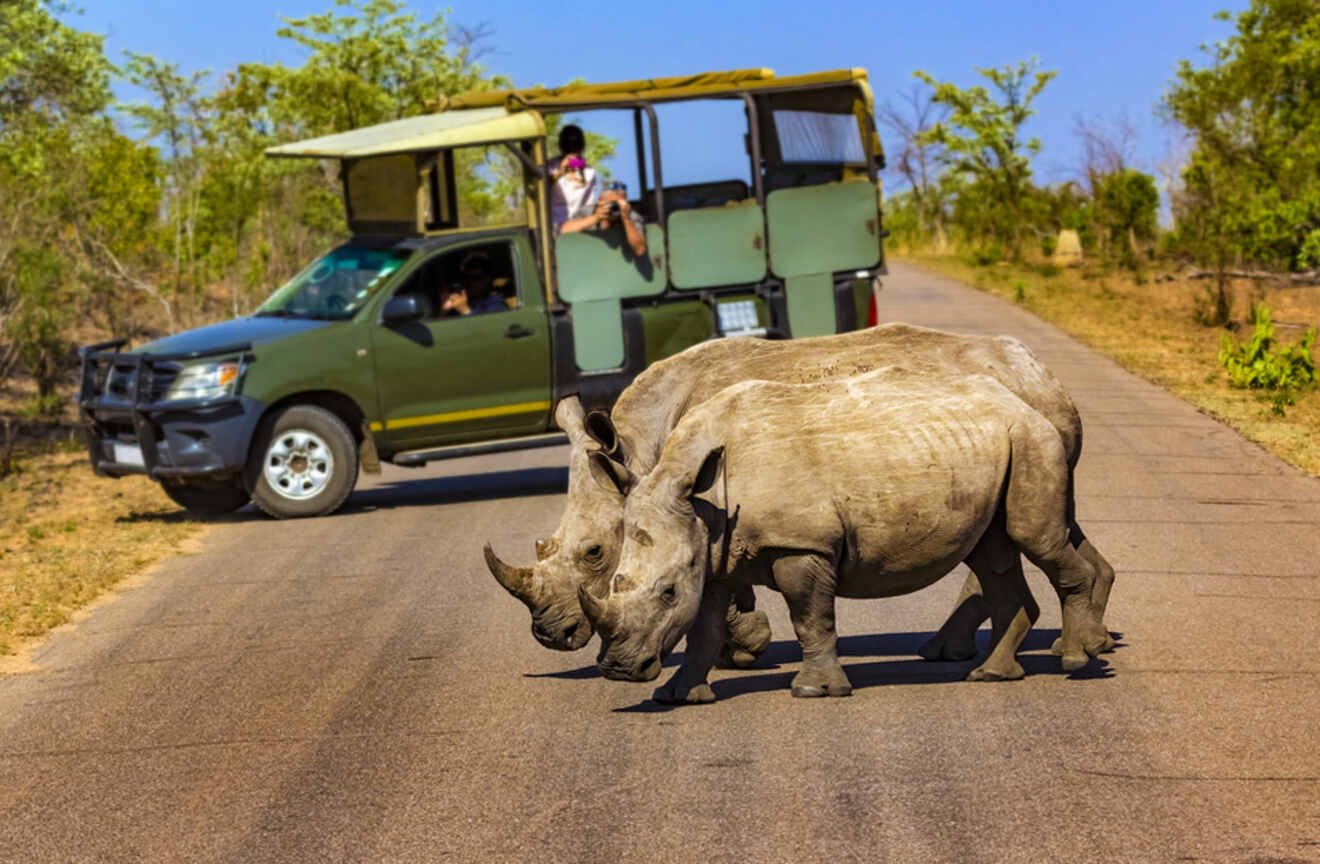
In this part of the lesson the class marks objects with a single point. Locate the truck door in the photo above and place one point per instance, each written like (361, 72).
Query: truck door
(477, 365)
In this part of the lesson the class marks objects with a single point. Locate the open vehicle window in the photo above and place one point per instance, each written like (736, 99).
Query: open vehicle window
(337, 284)
(478, 279)
(812, 137)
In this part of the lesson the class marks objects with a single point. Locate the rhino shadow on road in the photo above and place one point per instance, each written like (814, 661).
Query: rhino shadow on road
(787, 651)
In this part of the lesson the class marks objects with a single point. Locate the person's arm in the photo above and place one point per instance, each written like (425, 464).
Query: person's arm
(572, 226)
(636, 239)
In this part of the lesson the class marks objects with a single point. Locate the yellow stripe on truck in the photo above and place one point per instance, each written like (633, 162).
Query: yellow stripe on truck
(459, 416)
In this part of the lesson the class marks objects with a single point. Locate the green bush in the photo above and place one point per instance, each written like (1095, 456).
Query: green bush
(1262, 364)
(984, 256)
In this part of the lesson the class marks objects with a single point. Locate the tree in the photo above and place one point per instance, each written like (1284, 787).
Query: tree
(1251, 186)
(1127, 202)
(982, 138)
(918, 159)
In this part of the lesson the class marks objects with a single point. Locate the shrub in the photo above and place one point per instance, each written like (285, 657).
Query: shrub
(987, 255)
(1262, 365)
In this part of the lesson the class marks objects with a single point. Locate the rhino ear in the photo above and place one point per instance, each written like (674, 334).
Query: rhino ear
(709, 471)
(609, 474)
(600, 428)
(568, 416)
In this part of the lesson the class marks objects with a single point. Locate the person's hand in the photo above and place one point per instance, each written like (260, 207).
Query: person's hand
(457, 302)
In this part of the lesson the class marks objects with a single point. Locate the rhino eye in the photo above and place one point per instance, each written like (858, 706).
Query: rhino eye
(593, 552)
(668, 594)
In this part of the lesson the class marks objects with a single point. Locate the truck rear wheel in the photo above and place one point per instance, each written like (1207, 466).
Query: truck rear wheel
(207, 499)
(308, 463)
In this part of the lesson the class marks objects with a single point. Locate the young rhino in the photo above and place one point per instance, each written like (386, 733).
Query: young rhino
(584, 549)
(872, 486)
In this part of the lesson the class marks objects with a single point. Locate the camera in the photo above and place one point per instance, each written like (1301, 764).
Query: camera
(614, 208)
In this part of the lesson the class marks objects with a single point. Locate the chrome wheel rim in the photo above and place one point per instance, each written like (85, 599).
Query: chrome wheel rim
(299, 464)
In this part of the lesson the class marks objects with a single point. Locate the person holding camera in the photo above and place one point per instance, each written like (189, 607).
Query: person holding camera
(576, 188)
(613, 210)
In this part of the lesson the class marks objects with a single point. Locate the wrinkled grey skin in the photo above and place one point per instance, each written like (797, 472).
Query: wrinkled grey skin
(872, 486)
(585, 547)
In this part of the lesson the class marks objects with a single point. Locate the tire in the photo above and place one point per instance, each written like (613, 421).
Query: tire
(210, 499)
(304, 461)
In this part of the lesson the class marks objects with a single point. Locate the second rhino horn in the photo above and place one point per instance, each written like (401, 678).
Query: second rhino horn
(545, 547)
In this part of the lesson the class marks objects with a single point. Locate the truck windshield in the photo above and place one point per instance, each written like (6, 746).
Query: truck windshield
(335, 285)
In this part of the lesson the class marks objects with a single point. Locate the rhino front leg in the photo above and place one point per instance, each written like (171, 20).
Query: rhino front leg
(704, 642)
(956, 638)
(807, 583)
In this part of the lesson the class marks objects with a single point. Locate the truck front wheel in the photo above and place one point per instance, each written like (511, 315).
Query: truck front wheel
(308, 463)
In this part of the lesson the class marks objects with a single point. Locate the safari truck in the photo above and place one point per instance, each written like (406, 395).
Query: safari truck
(353, 362)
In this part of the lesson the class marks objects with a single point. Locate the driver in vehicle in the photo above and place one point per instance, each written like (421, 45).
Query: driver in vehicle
(478, 294)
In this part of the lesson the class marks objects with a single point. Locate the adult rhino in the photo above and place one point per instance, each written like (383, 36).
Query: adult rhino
(584, 550)
(868, 487)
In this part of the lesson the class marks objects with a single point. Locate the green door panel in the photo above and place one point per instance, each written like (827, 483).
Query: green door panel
(716, 246)
(459, 379)
(810, 304)
(598, 334)
(600, 266)
(596, 271)
(823, 229)
(674, 326)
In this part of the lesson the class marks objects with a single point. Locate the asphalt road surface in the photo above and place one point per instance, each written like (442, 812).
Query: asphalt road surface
(358, 688)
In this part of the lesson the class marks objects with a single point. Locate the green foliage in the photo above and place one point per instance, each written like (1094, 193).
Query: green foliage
(1019, 291)
(1251, 185)
(1213, 306)
(982, 141)
(37, 327)
(1127, 205)
(1262, 364)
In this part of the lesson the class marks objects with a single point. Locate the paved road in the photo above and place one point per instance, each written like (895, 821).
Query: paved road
(357, 688)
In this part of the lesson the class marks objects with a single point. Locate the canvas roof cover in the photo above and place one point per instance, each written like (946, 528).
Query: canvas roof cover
(649, 89)
(417, 134)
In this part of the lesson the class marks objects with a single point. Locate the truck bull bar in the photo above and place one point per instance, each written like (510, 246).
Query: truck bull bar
(141, 407)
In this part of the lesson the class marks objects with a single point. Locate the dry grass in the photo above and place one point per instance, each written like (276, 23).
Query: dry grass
(1150, 329)
(66, 536)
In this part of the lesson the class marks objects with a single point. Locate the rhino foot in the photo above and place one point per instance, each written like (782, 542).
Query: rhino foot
(986, 672)
(945, 648)
(675, 694)
(809, 684)
(1105, 646)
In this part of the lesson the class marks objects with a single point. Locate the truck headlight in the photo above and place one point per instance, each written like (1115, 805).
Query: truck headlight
(205, 381)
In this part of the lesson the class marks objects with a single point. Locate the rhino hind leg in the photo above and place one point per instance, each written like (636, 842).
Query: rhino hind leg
(749, 636)
(956, 638)
(1037, 521)
(1013, 610)
(806, 582)
(1104, 581)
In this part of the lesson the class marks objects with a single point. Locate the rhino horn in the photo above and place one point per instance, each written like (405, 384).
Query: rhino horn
(593, 608)
(545, 547)
(516, 580)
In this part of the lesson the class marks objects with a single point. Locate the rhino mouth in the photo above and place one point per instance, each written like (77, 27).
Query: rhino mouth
(559, 637)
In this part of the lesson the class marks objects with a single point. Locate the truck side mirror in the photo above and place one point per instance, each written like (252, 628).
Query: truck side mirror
(407, 307)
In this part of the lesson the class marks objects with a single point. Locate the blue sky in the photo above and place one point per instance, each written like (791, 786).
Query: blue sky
(1112, 58)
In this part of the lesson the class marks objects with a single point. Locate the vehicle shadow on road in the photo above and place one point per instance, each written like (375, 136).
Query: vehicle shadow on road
(456, 490)
(886, 672)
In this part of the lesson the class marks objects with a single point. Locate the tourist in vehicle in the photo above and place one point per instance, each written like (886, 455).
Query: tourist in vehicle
(613, 211)
(576, 189)
(478, 294)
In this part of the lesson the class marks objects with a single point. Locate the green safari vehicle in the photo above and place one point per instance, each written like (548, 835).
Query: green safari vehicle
(355, 362)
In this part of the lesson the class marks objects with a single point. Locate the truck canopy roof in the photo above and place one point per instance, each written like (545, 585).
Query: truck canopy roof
(419, 134)
(672, 89)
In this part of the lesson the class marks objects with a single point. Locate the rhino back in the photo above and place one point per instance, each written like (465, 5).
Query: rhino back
(661, 396)
(895, 479)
